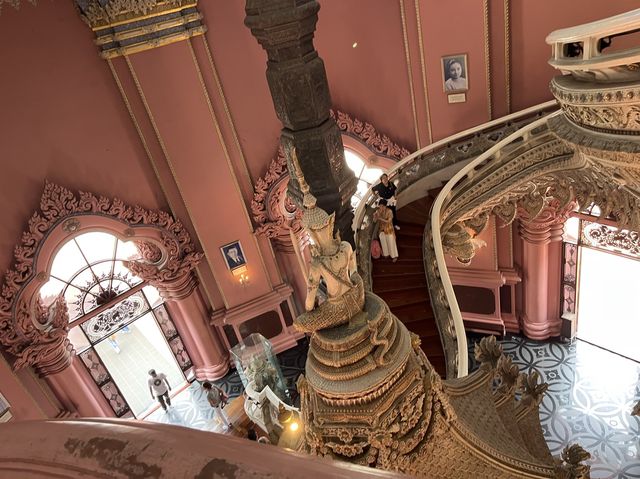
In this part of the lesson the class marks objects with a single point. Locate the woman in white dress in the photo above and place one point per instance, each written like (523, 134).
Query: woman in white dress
(384, 217)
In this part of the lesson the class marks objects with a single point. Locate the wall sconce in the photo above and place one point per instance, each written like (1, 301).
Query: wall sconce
(242, 275)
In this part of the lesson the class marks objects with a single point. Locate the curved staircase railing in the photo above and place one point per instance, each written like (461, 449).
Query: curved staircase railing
(447, 155)
(443, 298)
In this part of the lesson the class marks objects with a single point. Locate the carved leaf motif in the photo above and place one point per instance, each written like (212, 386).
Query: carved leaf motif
(488, 351)
(48, 345)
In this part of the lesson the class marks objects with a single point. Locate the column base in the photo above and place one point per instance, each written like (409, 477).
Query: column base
(541, 331)
(212, 373)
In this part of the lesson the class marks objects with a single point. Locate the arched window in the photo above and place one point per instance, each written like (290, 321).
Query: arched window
(119, 325)
(365, 174)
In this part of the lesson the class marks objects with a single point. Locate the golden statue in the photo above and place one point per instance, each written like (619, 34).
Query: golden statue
(332, 261)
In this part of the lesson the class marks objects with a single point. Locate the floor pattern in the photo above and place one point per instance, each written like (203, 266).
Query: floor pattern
(589, 400)
(591, 392)
(190, 407)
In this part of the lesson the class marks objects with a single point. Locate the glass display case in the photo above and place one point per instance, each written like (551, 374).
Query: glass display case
(258, 366)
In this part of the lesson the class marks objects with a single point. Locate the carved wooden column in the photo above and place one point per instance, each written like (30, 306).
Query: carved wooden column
(178, 286)
(300, 91)
(542, 250)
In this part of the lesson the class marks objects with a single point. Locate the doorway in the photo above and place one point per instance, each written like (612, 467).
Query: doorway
(609, 301)
(130, 352)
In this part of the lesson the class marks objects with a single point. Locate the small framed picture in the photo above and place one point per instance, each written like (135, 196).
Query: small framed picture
(233, 255)
(454, 73)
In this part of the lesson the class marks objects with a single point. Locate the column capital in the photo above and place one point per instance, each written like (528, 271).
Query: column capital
(547, 226)
(45, 328)
(175, 279)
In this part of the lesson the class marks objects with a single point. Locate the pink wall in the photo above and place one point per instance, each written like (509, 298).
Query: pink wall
(23, 404)
(531, 22)
(62, 119)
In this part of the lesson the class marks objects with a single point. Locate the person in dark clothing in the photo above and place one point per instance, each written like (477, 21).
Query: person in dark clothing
(387, 191)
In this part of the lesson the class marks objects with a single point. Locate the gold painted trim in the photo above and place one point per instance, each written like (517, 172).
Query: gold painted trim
(236, 140)
(175, 179)
(216, 125)
(487, 55)
(155, 43)
(403, 19)
(424, 70)
(139, 130)
(152, 161)
(146, 29)
(135, 18)
(507, 53)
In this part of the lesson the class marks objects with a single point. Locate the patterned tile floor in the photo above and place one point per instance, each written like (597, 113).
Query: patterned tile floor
(191, 409)
(591, 393)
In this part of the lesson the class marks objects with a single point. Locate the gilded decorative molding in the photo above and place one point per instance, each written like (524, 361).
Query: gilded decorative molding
(35, 334)
(610, 238)
(403, 19)
(507, 53)
(124, 27)
(487, 54)
(423, 69)
(366, 133)
(167, 157)
(599, 107)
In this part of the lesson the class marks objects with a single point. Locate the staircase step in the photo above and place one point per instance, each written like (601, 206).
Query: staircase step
(409, 312)
(385, 267)
(384, 284)
(410, 229)
(403, 285)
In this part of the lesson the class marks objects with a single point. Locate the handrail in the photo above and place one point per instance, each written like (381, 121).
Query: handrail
(445, 194)
(408, 161)
(585, 56)
(603, 27)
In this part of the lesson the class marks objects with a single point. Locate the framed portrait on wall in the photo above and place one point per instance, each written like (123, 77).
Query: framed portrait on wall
(454, 73)
(5, 413)
(233, 255)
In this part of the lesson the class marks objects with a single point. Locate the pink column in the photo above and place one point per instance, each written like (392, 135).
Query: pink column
(541, 318)
(75, 389)
(189, 314)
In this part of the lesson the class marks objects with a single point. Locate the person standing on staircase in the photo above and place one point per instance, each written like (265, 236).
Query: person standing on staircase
(387, 190)
(384, 217)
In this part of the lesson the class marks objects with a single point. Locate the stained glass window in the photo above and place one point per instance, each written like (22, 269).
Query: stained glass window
(89, 271)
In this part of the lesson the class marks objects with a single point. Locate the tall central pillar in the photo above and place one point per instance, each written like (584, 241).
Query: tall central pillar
(300, 91)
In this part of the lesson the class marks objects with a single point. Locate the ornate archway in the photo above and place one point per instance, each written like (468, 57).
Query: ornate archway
(35, 333)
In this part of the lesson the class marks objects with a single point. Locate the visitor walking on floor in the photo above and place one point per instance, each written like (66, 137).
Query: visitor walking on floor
(218, 400)
(384, 217)
(159, 388)
(387, 191)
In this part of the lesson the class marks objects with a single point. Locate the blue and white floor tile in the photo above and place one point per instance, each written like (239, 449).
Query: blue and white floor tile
(589, 400)
(190, 407)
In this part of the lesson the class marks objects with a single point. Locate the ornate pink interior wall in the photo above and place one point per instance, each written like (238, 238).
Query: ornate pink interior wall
(67, 117)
